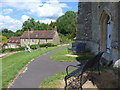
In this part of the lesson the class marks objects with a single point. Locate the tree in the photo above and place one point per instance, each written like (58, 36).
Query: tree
(31, 24)
(3, 39)
(28, 25)
(7, 33)
(53, 24)
(45, 27)
(18, 32)
(66, 24)
(5, 30)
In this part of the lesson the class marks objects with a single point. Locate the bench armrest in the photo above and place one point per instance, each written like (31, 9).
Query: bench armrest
(71, 66)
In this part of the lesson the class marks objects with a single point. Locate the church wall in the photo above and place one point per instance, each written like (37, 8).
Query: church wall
(89, 27)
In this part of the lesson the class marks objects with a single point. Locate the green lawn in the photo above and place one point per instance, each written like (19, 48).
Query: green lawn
(60, 56)
(12, 64)
(55, 81)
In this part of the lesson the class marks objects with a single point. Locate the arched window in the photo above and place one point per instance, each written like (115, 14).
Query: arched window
(108, 35)
(105, 32)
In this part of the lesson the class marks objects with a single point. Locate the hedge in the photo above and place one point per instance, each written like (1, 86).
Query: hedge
(12, 49)
(47, 44)
(34, 46)
(42, 45)
(23, 48)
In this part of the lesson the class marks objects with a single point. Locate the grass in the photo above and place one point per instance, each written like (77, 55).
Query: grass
(56, 81)
(53, 81)
(60, 56)
(11, 65)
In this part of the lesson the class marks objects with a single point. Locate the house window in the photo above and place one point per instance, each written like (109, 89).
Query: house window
(24, 40)
(32, 40)
(39, 41)
(46, 41)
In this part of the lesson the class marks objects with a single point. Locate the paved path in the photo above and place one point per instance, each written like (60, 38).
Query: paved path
(38, 70)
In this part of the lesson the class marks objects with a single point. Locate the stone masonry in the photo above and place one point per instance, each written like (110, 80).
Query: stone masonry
(92, 21)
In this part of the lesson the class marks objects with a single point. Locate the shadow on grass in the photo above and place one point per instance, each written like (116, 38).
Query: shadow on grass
(83, 58)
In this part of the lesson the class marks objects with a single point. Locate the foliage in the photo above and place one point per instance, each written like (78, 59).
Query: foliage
(64, 39)
(34, 46)
(11, 65)
(18, 33)
(66, 24)
(12, 49)
(47, 44)
(7, 33)
(53, 24)
(44, 27)
(31, 24)
(3, 39)
(42, 45)
(31, 46)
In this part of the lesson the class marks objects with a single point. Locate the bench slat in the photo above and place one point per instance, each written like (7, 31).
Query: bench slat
(77, 72)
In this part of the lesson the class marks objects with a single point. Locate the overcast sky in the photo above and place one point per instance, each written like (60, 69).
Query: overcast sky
(14, 12)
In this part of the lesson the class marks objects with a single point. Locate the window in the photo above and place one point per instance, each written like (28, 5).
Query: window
(24, 40)
(105, 36)
(39, 41)
(108, 36)
(32, 40)
(46, 40)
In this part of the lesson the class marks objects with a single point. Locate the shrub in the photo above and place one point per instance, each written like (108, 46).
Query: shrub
(42, 45)
(50, 45)
(34, 46)
(23, 48)
(12, 49)
(47, 44)
(64, 39)
(8, 50)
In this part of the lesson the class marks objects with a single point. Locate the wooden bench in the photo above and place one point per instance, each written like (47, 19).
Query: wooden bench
(82, 69)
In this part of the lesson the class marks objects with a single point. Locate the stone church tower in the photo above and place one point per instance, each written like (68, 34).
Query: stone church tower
(98, 25)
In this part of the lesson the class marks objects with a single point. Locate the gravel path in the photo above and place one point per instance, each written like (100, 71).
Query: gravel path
(39, 69)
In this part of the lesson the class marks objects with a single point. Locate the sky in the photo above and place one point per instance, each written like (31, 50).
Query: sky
(14, 12)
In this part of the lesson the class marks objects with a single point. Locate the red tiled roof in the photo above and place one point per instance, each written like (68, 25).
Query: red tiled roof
(14, 40)
(38, 34)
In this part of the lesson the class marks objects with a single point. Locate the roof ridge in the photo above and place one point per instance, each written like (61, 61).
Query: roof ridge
(42, 34)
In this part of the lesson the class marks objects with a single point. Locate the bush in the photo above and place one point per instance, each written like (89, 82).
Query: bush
(50, 45)
(47, 44)
(12, 49)
(64, 39)
(23, 48)
(34, 46)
